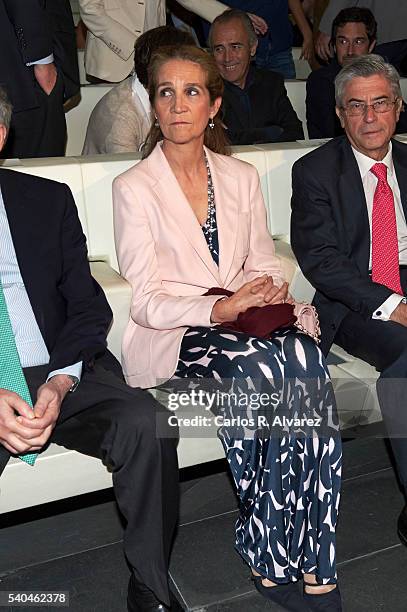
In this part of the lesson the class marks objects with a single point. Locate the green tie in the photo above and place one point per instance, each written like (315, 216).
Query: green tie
(11, 372)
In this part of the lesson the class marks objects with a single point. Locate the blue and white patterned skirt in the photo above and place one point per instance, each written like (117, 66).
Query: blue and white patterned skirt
(287, 477)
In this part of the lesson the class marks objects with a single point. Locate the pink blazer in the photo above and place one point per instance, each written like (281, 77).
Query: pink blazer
(163, 254)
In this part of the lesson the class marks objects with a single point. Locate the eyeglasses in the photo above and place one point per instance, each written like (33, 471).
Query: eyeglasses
(356, 109)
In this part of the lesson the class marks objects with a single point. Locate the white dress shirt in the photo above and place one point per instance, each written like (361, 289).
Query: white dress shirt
(29, 341)
(141, 93)
(369, 181)
(44, 60)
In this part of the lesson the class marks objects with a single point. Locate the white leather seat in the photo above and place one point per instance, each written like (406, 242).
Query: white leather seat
(61, 473)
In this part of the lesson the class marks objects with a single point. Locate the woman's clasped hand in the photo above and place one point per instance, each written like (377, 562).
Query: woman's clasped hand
(259, 292)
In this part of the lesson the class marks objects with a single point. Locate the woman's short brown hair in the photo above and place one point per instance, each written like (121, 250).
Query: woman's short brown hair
(147, 43)
(214, 138)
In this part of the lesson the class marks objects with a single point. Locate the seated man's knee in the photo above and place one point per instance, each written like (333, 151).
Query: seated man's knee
(143, 418)
(397, 368)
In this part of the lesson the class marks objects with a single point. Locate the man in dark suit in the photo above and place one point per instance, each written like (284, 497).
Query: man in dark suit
(59, 318)
(64, 44)
(255, 104)
(354, 32)
(349, 234)
(30, 76)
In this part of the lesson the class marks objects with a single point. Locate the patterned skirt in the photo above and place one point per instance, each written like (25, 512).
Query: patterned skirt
(287, 475)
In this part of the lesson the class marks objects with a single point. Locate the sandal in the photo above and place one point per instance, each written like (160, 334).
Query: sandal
(285, 595)
(323, 602)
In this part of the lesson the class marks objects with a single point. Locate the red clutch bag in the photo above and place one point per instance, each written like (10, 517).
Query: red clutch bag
(258, 321)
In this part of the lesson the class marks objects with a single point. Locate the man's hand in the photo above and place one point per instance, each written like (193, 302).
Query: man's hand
(14, 435)
(260, 26)
(46, 76)
(307, 51)
(46, 409)
(322, 46)
(399, 314)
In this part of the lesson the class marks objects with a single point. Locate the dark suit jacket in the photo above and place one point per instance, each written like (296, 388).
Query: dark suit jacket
(330, 232)
(64, 44)
(31, 30)
(69, 306)
(261, 112)
(322, 121)
(24, 37)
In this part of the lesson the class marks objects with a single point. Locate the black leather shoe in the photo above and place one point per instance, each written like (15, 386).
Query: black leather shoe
(324, 602)
(402, 526)
(141, 599)
(285, 595)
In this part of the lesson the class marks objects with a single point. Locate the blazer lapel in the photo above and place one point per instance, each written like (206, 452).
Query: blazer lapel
(354, 208)
(171, 195)
(19, 214)
(226, 187)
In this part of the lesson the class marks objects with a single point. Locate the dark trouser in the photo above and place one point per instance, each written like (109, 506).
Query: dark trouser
(40, 131)
(106, 419)
(384, 345)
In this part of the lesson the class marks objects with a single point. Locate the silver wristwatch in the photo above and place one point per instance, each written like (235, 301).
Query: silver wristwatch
(75, 383)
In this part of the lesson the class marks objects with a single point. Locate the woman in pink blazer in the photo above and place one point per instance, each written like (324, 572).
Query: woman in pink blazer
(189, 218)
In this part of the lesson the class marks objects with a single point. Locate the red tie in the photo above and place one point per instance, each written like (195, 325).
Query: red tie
(385, 248)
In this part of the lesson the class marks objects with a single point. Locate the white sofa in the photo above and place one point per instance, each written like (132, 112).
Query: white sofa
(60, 473)
(302, 67)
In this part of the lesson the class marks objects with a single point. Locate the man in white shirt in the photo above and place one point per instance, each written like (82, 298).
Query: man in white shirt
(59, 319)
(349, 234)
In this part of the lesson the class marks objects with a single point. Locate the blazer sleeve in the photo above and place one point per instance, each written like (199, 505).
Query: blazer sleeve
(126, 134)
(115, 128)
(315, 242)
(64, 44)
(32, 29)
(102, 25)
(88, 315)
(206, 9)
(320, 107)
(151, 305)
(261, 258)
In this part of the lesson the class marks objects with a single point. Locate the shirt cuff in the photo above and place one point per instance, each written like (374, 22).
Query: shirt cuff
(71, 370)
(383, 312)
(45, 60)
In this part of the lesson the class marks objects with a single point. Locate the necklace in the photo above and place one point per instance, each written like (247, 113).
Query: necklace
(209, 227)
